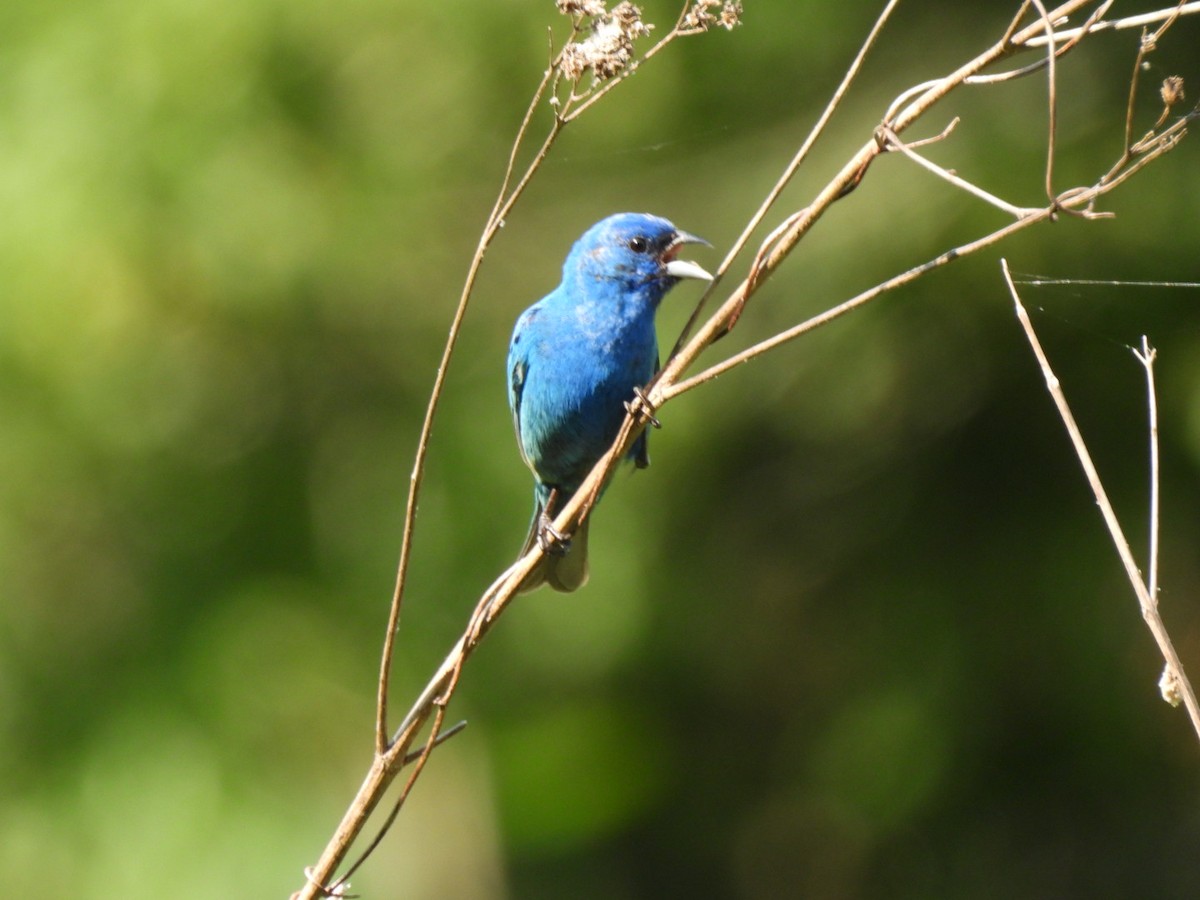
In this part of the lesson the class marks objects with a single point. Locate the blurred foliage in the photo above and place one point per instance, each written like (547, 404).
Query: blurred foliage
(858, 632)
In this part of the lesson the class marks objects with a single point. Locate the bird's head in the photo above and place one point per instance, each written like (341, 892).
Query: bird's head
(637, 250)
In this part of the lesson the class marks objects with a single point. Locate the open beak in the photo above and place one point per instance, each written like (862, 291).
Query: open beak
(683, 268)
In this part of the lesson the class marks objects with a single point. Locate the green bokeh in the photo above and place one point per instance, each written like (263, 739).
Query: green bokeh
(858, 632)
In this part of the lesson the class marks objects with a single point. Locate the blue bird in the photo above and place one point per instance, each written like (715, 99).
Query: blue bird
(575, 360)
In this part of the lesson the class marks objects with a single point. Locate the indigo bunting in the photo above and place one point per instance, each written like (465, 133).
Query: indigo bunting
(576, 358)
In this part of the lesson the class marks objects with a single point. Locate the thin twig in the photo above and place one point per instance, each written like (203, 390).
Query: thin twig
(835, 312)
(436, 739)
(1134, 81)
(1123, 169)
(1181, 8)
(1079, 201)
(1138, 21)
(1073, 200)
(1146, 600)
(894, 143)
(1041, 281)
(1146, 357)
(504, 202)
(1146, 45)
(1171, 682)
(1016, 21)
(1052, 98)
(1069, 39)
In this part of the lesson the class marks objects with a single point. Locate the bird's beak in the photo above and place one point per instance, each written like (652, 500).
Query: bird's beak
(683, 268)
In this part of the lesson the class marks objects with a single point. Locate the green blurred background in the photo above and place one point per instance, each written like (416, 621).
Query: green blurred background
(858, 632)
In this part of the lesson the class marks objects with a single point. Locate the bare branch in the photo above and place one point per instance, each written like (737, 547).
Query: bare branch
(894, 143)
(393, 753)
(1167, 16)
(1052, 99)
(1174, 678)
(789, 171)
(505, 201)
(1146, 357)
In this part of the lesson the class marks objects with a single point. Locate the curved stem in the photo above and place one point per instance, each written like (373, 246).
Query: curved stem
(505, 201)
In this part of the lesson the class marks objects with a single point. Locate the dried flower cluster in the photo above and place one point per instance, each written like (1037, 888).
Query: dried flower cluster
(581, 7)
(608, 50)
(701, 16)
(1172, 90)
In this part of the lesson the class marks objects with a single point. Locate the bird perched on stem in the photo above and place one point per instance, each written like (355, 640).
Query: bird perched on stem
(577, 357)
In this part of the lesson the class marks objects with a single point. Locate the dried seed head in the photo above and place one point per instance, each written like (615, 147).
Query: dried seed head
(1172, 90)
(701, 16)
(581, 7)
(1170, 687)
(731, 15)
(608, 50)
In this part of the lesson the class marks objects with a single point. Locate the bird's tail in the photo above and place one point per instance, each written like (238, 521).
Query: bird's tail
(564, 571)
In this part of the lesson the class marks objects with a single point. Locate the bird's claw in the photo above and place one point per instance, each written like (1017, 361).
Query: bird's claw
(550, 539)
(641, 408)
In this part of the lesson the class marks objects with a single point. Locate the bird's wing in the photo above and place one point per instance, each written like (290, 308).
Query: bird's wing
(518, 366)
(516, 385)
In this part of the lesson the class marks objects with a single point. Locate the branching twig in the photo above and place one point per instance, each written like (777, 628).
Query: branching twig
(894, 143)
(1147, 45)
(1146, 357)
(393, 751)
(391, 755)
(504, 203)
(1165, 16)
(1174, 679)
(1078, 200)
(789, 171)
(1052, 98)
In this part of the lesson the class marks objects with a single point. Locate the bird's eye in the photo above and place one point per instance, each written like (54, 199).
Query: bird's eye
(639, 244)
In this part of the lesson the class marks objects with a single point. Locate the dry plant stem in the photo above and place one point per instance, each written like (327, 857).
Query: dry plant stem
(1077, 200)
(665, 386)
(504, 203)
(1148, 603)
(1146, 357)
(1077, 34)
(894, 143)
(1159, 15)
(842, 183)
(387, 765)
(437, 737)
(497, 598)
(792, 167)
(1145, 47)
(390, 755)
(1052, 101)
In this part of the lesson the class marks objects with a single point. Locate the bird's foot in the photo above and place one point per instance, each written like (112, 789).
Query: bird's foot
(642, 409)
(550, 539)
